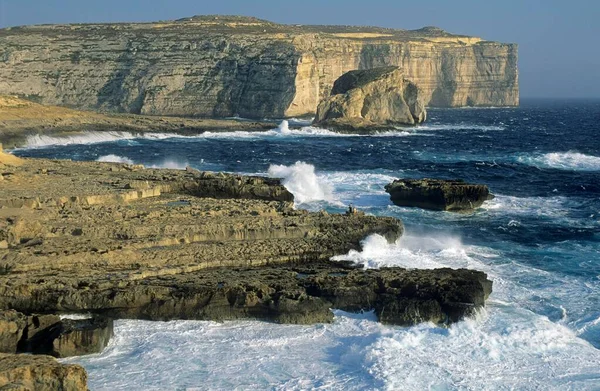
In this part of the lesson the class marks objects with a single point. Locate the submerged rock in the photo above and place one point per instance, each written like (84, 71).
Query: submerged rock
(438, 194)
(366, 100)
(39, 373)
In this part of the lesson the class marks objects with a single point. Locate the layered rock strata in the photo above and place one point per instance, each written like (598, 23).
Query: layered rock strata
(438, 194)
(370, 100)
(219, 66)
(125, 241)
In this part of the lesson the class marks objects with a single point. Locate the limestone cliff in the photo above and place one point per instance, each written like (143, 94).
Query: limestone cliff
(223, 66)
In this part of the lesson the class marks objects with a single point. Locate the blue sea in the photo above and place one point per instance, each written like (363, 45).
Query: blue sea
(539, 240)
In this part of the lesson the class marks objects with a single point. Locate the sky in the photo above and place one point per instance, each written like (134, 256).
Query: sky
(559, 41)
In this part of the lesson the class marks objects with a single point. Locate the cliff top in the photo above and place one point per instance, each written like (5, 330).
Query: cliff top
(242, 25)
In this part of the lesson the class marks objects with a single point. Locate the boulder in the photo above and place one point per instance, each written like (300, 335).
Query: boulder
(363, 101)
(438, 194)
(39, 373)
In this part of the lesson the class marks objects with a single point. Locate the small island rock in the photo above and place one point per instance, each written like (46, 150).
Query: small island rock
(438, 194)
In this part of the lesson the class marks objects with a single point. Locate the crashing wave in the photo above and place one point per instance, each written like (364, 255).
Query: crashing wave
(412, 252)
(300, 179)
(563, 160)
(166, 163)
(283, 130)
(114, 159)
(93, 137)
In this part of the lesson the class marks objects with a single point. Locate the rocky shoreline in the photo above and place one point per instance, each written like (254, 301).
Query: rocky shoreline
(21, 119)
(122, 241)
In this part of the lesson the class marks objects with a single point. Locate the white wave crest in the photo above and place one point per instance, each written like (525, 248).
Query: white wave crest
(412, 252)
(574, 161)
(283, 130)
(114, 159)
(300, 179)
(170, 163)
(93, 137)
(458, 127)
(300, 121)
(530, 206)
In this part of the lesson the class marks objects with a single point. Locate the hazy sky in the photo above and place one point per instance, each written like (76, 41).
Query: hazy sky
(559, 40)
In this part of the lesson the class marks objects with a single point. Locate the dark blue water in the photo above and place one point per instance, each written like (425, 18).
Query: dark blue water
(539, 239)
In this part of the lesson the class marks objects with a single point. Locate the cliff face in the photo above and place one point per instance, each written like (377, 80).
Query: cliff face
(225, 66)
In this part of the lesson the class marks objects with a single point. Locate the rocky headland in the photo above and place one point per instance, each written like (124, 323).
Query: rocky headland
(222, 66)
(124, 241)
(111, 241)
(365, 101)
(115, 241)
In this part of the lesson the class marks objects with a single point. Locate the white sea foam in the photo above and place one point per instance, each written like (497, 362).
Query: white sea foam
(76, 316)
(300, 121)
(508, 346)
(364, 189)
(412, 251)
(300, 179)
(172, 163)
(505, 348)
(93, 137)
(574, 161)
(114, 159)
(555, 207)
(283, 130)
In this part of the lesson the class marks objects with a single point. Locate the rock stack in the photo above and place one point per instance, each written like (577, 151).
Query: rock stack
(365, 101)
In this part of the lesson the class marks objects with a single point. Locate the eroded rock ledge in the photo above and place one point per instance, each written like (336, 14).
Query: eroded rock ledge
(127, 242)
